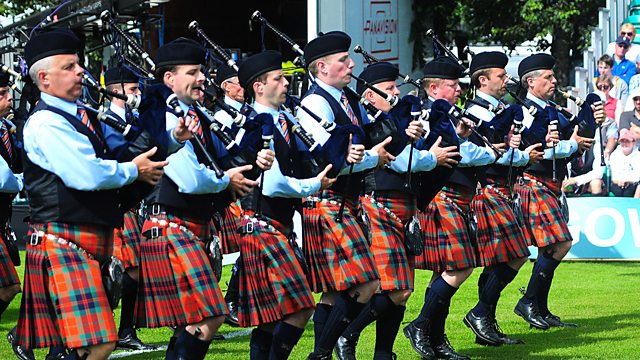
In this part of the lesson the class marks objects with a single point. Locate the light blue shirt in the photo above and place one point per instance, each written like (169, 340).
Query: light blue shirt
(222, 116)
(275, 183)
(564, 148)
(9, 182)
(52, 143)
(320, 106)
(190, 176)
(422, 160)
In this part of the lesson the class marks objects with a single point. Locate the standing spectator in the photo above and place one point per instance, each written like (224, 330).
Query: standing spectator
(625, 167)
(629, 31)
(620, 88)
(613, 109)
(623, 67)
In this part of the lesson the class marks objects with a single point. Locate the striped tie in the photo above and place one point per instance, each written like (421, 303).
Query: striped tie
(5, 138)
(82, 116)
(284, 128)
(352, 116)
(194, 116)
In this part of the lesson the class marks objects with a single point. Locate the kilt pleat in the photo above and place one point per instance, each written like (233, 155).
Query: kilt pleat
(64, 302)
(126, 241)
(272, 282)
(337, 253)
(500, 238)
(542, 214)
(394, 264)
(8, 274)
(178, 286)
(229, 224)
(448, 246)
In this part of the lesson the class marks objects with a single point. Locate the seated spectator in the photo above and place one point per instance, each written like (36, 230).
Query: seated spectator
(629, 31)
(625, 166)
(630, 119)
(620, 89)
(622, 66)
(585, 174)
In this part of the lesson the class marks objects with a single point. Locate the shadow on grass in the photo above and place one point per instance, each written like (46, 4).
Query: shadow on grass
(541, 344)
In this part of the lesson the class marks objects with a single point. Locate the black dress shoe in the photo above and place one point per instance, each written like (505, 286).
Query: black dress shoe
(232, 317)
(314, 356)
(483, 327)
(21, 353)
(445, 351)
(504, 338)
(345, 348)
(58, 356)
(419, 340)
(529, 312)
(131, 342)
(554, 321)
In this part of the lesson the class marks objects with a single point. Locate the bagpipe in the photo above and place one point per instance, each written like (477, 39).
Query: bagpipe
(430, 33)
(299, 60)
(370, 59)
(195, 27)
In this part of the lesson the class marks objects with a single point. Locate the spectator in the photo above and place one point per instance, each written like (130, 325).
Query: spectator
(585, 173)
(625, 167)
(622, 66)
(613, 108)
(630, 119)
(620, 89)
(629, 31)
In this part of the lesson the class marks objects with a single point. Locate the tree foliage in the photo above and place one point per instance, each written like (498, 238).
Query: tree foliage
(15, 7)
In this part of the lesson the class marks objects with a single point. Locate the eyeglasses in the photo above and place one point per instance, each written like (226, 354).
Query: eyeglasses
(623, 45)
(636, 99)
(622, 33)
(603, 87)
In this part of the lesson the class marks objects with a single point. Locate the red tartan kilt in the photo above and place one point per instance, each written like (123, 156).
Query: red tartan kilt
(8, 274)
(543, 220)
(126, 241)
(448, 246)
(272, 283)
(64, 302)
(337, 253)
(178, 286)
(229, 223)
(500, 238)
(394, 264)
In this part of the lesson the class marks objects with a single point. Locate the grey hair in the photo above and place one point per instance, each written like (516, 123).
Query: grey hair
(530, 75)
(41, 65)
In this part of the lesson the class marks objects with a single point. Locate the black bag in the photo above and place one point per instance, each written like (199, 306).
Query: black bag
(297, 251)
(12, 247)
(413, 240)
(212, 249)
(112, 273)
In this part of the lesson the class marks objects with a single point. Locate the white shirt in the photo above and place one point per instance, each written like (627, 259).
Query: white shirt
(625, 167)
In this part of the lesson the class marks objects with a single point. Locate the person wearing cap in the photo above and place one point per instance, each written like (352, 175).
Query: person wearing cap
(627, 30)
(389, 205)
(72, 186)
(448, 246)
(622, 67)
(274, 293)
(544, 225)
(502, 247)
(625, 166)
(341, 265)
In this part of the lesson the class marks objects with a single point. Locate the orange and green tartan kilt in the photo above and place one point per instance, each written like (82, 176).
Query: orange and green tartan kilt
(338, 254)
(448, 246)
(126, 241)
(229, 223)
(178, 286)
(8, 274)
(272, 282)
(64, 302)
(394, 264)
(542, 214)
(500, 238)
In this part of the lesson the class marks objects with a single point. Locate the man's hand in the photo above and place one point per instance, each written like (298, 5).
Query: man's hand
(553, 136)
(583, 143)
(384, 157)
(239, 185)
(415, 130)
(149, 171)
(356, 152)
(635, 130)
(184, 129)
(513, 139)
(325, 182)
(599, 114)
(535, 155)
(568, 182)
(463, 129)
(445, 156)
(265, 158)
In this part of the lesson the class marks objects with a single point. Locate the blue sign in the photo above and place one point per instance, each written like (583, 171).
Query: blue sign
(604, 228)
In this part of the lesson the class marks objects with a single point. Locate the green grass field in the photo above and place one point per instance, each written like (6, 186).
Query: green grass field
(601, 297)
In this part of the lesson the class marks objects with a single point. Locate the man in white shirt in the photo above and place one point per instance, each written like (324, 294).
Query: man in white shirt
(625, 167)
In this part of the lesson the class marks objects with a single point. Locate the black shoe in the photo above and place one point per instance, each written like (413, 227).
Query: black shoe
(21, 353)
(445, 351)
(131, 342)
(554, 321)
(345, 348)
(232, 316)
(504, 338)
(483, 328)
(314, 356)
(58, 356)
(529, 312)
(419, 340)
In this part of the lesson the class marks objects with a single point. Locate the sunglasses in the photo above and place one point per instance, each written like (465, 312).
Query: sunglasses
(604, 87)
(623, 45)
(622, 33)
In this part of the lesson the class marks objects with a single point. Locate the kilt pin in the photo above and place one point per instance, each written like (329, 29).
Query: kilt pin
(178, 286)
(64, 301)
(388, 212)
(338, 253)
(448, 245)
